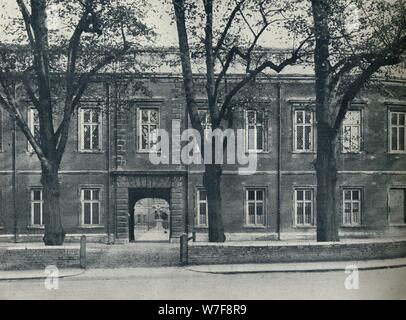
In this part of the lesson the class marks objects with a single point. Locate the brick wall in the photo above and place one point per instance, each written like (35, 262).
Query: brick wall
(262, 253)
(31, 259)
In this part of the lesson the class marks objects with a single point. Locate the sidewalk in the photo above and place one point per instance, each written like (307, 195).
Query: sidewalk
(298, 267)
(37, 274)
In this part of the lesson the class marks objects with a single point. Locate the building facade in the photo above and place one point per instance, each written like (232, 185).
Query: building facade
(107, 173)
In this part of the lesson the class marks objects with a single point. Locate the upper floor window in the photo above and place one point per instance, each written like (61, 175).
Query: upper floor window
(254, 130)
(304, 207)
(205, 119)
(202, 208)
(255, 207)
(90, 127)
(351, 132)
(148, 124)
(397, 132)
(90, 202)
(1, 129)
(33, 125)
(37, 204)
(351, 207)
(303, 125)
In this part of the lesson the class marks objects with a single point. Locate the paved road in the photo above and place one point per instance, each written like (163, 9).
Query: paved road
(180, 283)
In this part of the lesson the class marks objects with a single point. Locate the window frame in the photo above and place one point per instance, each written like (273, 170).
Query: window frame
(304, 201)
(81, 124)
(255, 201)
(312, 125)
(32, 205)
(361, 133)
(138, 126)
(264, 131)
(388, 214)
(390, 125)
(82, 201)
(198, 202)
(351, 201)
(31, 125)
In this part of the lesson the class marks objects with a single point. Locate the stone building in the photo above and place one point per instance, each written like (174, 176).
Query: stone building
(106, 169)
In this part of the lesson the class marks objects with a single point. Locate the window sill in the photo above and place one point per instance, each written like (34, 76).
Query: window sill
(304, 152)
(352, 153)
(352, 227)
(305, 227)
(35, 227)
(251, 226)
(90, 152)
(91, 227)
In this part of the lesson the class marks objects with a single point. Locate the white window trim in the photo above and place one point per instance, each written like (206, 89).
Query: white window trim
(41, 203)
(360, 134)
(263, 124)
(198, 202)
(351, 201)
(139, 127)
(311, 125)
(30, 123)
(81, 131)
(390, 132)
(82, 207)
(304, 201)
(255, 201)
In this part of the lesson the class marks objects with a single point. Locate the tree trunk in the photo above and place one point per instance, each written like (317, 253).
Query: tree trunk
(326, 168)
(54, 232)
(211, 181)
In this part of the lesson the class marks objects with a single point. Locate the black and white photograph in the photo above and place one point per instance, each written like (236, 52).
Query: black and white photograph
(202, 150)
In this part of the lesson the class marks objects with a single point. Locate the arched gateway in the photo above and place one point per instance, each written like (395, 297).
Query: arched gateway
(132, 187)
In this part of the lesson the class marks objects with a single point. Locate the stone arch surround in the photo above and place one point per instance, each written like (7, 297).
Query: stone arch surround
(175, 182)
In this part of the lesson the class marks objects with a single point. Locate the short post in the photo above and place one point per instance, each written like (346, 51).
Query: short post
(183, 249)
(83, 252)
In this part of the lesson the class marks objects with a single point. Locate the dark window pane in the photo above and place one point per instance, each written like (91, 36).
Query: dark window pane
(87, 194)
(299, 117)
(308, 117)
(37, 213)
(308, 138)
(308, 195)
(394, 139)
(86, 116)
(96, 194)
(260, 195)
(95, 138)
(394, 119)
(37, 195)
(96, 212)
(87, 219)
(299, 195)
(299, 213)
(299, 138)
(260, 142)
(402, 119)
(251, 195)
(86, 137)
(355, 195)
(402, 139)
(202, 195)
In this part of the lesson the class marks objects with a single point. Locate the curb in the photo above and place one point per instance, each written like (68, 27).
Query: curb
(297, 268)
(41, 277)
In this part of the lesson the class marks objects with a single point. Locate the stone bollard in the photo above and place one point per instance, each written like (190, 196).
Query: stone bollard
(83, 252)
(183, 249)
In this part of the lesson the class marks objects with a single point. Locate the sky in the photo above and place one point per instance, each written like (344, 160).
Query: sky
(159, 19)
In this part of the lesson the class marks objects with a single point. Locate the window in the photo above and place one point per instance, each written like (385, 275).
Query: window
(1, 129)
(37, 204)
(90, 129)
(148, 123)
(90, 199)
(255, 207)
(205, 119)
(33, 125)
(202, 208)
(352, 207)
(351, 132)
(303, 131)
(254, 130)
(304, 207)
(397, 132)
(397, 206)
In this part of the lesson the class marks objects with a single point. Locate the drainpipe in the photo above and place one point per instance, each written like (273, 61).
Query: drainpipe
(108, 203)
(14, 182)
(279, 161)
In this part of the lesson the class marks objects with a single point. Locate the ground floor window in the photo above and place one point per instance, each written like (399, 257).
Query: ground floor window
(255, 207)
(352, 207)
(397, 206)
(202, 208)
(304, 207)
(90, 201)
(37, 205)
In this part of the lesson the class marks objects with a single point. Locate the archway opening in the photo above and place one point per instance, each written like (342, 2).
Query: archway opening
(149, 215)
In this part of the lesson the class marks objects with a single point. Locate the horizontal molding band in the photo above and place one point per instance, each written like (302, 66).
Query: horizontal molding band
(227, 172)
